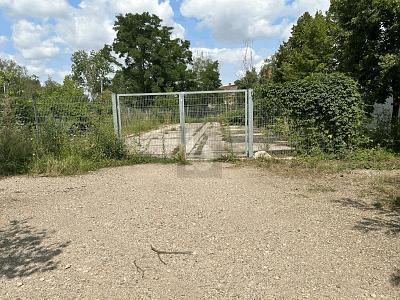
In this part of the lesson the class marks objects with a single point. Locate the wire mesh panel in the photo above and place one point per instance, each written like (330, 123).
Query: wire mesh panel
(272, 130)
(52, 117)
(215, 124)
(206, 125)
(150, 123)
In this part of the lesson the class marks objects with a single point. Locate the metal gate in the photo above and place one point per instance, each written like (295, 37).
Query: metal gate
(201, 125)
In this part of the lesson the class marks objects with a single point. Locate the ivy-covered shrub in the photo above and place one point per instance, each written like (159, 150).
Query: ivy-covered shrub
(324, 112)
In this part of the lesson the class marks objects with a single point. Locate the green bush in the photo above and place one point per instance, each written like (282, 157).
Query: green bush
(16, 150)
(53, 139)
(372, 155)
(101, 143)
(324, 111)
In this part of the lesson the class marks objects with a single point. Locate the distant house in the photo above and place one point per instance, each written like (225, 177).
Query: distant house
(228, 87)
(229, 98)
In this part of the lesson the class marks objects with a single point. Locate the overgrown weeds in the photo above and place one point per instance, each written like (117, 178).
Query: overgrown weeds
(16, 150)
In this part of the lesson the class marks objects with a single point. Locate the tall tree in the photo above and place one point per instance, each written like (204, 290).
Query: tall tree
(205, 74)
(154, 61)
(369, 46)
(15, 81)
(90, 70)
(310, 49)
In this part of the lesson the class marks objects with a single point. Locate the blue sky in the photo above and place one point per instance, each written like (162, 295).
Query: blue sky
(42, 34)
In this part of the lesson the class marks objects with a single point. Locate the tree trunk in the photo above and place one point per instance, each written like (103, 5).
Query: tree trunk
(396, 107)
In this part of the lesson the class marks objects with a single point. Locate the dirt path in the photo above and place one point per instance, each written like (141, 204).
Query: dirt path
(252, 234)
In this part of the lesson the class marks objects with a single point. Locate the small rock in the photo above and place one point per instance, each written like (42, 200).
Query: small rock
(373, 295)
(277, 277)
(41, 279)
(262, 155)
(67, 267)
(19, 284)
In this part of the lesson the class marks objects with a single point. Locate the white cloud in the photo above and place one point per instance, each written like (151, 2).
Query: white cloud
(91, 25)
(36, 8)
(40, 71)
(5, 55)
(238, 20)
(88, 26)
(227, 55)
(43, 72)
(33, 41)
(47, 29)
(3, 39)
(85, 29)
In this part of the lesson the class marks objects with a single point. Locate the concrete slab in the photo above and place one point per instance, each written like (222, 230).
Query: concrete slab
(204, 141)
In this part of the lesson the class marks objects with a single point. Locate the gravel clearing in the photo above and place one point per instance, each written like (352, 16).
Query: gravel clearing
(232, 232)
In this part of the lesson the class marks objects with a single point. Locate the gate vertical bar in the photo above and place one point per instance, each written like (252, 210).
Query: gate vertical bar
(246, 123)
(35, 112)
(115, 114)
(182, 123)
(251, 130)
(119, 117)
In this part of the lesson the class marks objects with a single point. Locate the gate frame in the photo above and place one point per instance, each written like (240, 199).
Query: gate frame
(249, 131)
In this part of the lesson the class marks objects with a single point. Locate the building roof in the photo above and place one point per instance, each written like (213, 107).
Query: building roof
(228, 87)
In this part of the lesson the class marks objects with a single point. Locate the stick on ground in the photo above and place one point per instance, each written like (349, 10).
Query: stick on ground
(159, 252)
(139, 269)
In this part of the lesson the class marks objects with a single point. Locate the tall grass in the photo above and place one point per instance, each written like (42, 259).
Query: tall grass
(16, 150)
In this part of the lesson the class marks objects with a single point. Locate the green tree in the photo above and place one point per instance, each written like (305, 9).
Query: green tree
(90, 70)
(310, 49)
(154, 61)
(249, 80)
(66, 100)
(369, 46)
(15, 81)
(205, 75)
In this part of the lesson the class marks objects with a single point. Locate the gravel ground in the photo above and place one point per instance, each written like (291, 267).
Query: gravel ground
(252, 234)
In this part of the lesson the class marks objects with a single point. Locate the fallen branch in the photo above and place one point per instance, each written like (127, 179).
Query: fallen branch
(159, 252)
(139, 269)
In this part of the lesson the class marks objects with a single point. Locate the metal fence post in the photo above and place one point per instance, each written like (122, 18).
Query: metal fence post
(116, 115)
(35, 112)
(182, 122)
(251, 131)
(246, 123)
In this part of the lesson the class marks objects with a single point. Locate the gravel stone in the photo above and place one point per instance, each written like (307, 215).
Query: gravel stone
(252, 234)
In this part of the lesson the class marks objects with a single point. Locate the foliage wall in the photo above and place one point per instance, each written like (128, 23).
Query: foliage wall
(324, 112)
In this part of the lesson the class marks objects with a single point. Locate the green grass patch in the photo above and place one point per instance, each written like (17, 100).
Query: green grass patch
(75, 165)
(371, 159)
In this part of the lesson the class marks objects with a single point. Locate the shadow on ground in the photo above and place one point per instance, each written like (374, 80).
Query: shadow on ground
(24, 251)
(386, 220)
(395, 280)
